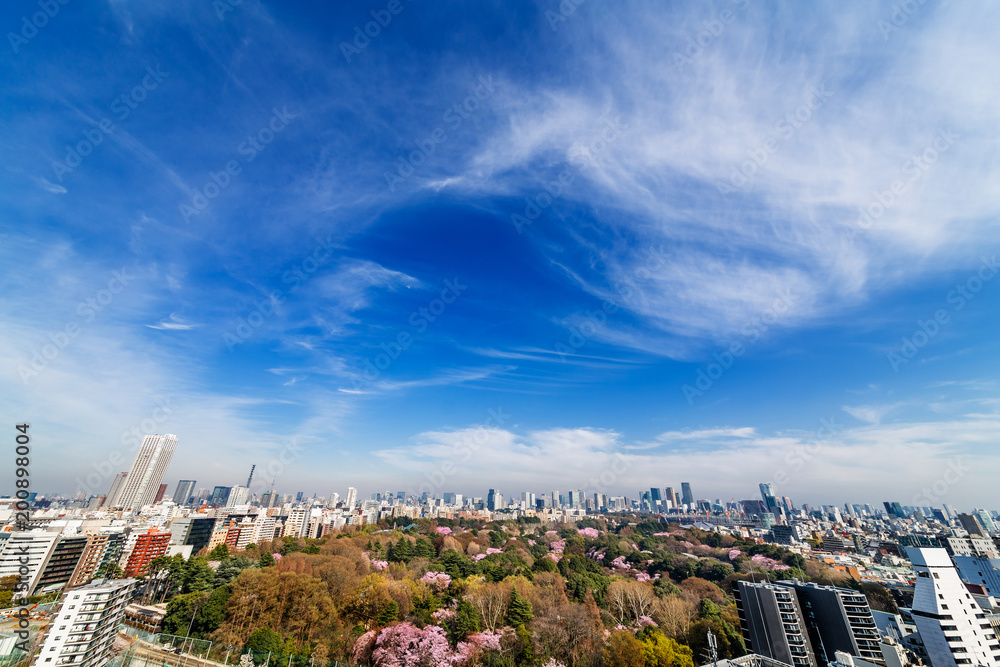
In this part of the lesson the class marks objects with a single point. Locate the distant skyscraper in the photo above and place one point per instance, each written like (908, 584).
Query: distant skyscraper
(352, 497)
(184, 491)
(894, 509)
(220, 495)
(160, 493)
(971, 524)
(770, 500)
(116, 489)
(298, 497)
(986, 520)
(555, 499)
(687, 495)
(670, 496)
(654, 496)
(147, 471)
(239, 495)
(493, 500)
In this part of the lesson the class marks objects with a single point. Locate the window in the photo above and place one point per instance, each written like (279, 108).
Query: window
(937, 576)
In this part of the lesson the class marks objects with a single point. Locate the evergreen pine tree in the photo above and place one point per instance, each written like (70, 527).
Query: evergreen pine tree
(466, 621)
(389, 614)
(519, 611)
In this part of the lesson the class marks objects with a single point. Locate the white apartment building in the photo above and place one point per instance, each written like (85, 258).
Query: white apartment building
(83, 632)
(297, 522)
(978, 547)
(263, 528)
(31, 549)
(953, 628)
(238, 495)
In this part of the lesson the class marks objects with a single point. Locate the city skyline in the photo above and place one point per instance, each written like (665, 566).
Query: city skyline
(511, 246)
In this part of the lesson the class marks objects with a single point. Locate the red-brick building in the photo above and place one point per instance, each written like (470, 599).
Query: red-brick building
(149, 546)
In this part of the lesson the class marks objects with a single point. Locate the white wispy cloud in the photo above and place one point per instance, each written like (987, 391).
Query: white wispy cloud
(788, 230)
(173, 323)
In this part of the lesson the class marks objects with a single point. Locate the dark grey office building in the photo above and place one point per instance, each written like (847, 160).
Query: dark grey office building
(805, 624)
(687, 495)
(184, 491)
(773, 623)
(196, 531)
(220, 495)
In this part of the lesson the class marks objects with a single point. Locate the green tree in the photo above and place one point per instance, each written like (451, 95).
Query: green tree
(388, 615)
(181, 612)
(524, 652)
(197, 575)
(213, 612)
(230, 568)
(519, 611)
(219, 552)
(401, 551)
(265, 640)
(544, 565)
(110, 570)
(423, 548)
(265, 560)
(466, 621)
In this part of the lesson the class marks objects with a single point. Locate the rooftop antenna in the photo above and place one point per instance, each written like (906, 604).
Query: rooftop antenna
(713, 646)
(252, 468)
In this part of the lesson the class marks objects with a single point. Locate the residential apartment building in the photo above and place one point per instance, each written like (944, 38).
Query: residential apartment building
(807, 624)
(982, 547)
(839, 619)
(983, 572)
(145, 548)
(774, 623)
(62, 563)
(94, 556)
(953, 628)
(27, 549)
(83, 632)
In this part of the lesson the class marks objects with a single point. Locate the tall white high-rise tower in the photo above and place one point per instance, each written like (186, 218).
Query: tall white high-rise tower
(143, 480)
(952, 626)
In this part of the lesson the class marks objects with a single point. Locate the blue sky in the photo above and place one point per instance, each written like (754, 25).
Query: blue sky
(549, 222)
